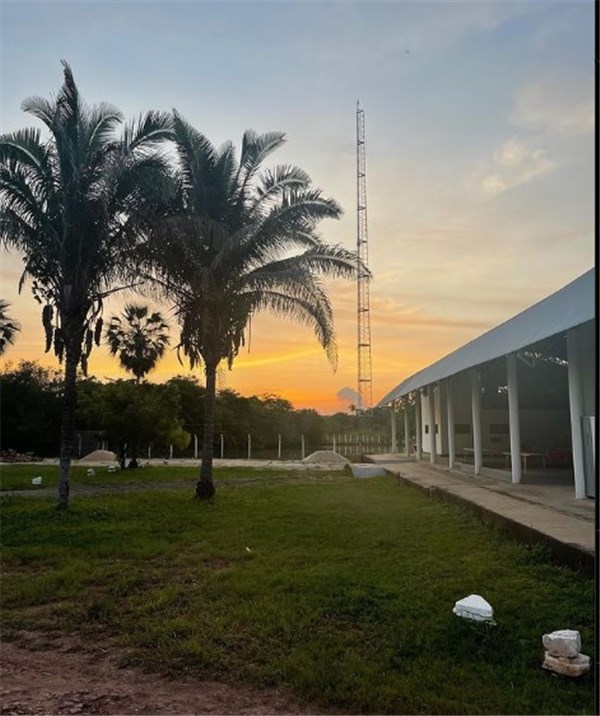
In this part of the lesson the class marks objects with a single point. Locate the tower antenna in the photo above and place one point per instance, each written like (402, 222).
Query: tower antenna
(365, 388)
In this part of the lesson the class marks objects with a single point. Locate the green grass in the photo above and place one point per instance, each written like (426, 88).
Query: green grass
(339, 590)
(18, 477)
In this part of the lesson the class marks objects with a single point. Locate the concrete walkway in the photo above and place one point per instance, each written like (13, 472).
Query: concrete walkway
(530, 513)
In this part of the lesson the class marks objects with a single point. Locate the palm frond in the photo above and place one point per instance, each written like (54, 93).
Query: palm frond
(148, 130)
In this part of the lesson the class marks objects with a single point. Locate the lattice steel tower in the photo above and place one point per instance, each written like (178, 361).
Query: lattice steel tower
(365, 388)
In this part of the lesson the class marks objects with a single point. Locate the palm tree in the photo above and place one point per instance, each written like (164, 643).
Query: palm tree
(8, 327)
(239, 241)
(139, 339)
(74, 204)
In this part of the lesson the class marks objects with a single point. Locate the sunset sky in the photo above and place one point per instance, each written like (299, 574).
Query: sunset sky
(480, 153)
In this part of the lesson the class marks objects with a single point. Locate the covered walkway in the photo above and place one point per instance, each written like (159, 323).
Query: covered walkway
(519, 399)
(549, 514)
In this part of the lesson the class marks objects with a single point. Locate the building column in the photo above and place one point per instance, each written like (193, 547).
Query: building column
(513, 417)
(442, 443)
(418, 426)
(432, 440)
(476, 419)
(576, 412)
(394, 429)
(406, 431)
(450, 418)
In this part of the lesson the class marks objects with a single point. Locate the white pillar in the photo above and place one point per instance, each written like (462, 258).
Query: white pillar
(450, 420)
(432, 440)
(576, 412)
(303, 446)
(195, 447)
(149, 452)
(418, 426)
(279, 445)
(394, 429)
(513, 417)
(334, 444)
(249, 446)
(406, 431)
(476, 415)
(222, 445)
(170, 452)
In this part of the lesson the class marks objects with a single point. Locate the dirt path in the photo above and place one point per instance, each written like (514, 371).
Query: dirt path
(57, 675)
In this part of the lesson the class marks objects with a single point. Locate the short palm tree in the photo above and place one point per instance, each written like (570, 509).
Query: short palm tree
(138, 338)
(75, 205)
(8, 327)
(239, 241)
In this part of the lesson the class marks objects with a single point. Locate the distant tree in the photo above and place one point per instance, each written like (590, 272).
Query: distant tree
(74, 205)
(31, 408)
(8, 327)
(191, 400)
(131, 414)
(138, 338)
(238, 242)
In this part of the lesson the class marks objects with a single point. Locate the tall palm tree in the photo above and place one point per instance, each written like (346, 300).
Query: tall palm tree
(239, 241)
(74, 205)
(139, 339)
(8, 327)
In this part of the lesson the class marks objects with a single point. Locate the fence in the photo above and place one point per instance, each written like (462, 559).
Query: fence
(351, 445)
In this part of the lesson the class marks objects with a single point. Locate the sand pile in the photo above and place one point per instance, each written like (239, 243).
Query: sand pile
(325, 457)
(100, 456)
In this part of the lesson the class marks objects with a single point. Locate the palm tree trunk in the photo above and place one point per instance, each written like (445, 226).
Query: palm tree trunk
(67, 431)
(205, 488)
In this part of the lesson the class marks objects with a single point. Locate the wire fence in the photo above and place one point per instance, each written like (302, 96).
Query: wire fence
(352, 446)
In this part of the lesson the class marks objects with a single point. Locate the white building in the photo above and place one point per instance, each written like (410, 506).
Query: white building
(521, 397)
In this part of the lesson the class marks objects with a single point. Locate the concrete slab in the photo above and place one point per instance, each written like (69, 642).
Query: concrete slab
(366, 470)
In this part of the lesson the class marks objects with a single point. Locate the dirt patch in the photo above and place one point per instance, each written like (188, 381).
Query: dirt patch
(56, 674)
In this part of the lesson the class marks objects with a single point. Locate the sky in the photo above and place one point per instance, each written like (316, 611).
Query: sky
(479, 140)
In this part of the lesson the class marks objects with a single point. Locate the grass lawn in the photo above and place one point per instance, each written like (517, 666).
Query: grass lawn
(18, 477)
(338, 589)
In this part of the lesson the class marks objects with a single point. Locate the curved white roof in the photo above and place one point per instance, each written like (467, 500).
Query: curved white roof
(568, 307)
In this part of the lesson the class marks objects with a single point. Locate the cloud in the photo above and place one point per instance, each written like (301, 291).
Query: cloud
(514, 163)
(555, 103)
(348, 394)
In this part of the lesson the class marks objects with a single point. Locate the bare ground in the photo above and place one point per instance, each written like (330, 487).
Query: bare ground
(58, 674)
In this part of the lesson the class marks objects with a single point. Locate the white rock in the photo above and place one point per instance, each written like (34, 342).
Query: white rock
(36, 480)
(564, 642)
(112, 468)
(568, 667)
(474, 607)
(90, 472)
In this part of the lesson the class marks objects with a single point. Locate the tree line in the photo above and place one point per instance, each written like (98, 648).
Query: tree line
(130, 414)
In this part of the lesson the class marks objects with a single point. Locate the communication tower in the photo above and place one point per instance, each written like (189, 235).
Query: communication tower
(365, 388)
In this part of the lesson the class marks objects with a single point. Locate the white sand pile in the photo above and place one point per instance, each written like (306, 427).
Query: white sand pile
(325, 457)
(100, 456)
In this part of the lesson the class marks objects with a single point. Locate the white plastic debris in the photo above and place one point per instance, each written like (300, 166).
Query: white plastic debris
(90, 472)
(575, 666)
(564, 642)
(248, 549)
(562, 653)
(36, 480)
(474, 607)
(112, 468)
